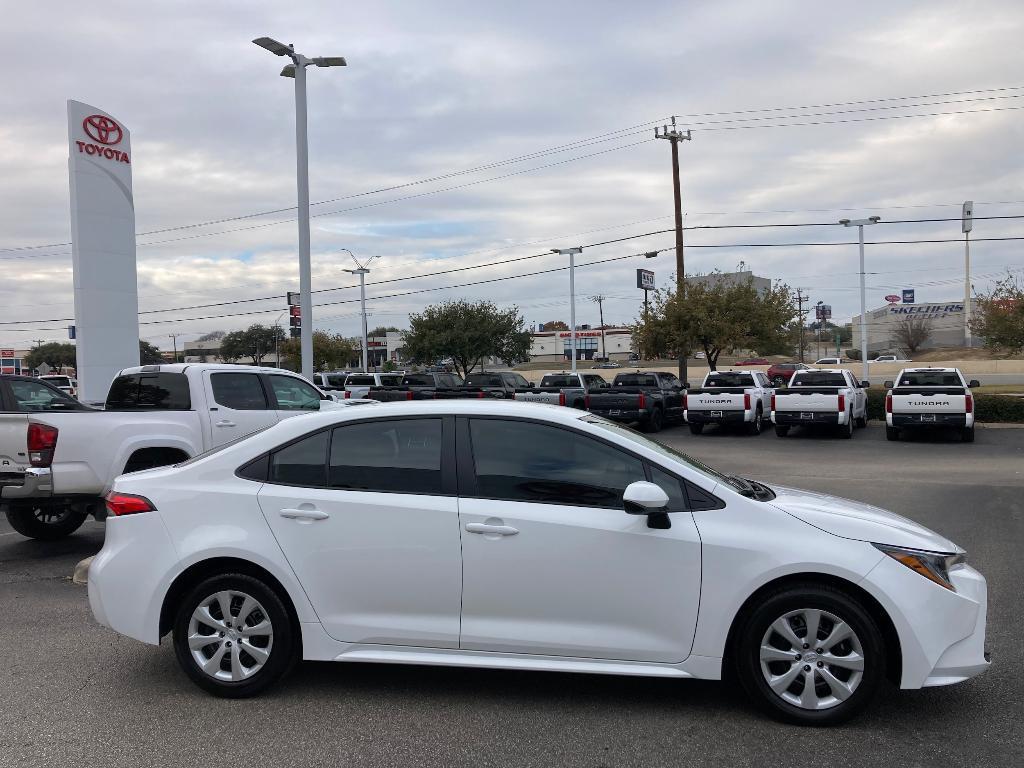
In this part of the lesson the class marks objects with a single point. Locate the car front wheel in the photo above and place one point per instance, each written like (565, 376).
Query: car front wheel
(233, 636)
(810, 655)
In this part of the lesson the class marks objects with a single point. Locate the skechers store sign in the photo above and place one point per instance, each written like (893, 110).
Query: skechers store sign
(931, 310)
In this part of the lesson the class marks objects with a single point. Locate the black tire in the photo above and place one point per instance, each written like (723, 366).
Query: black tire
(892, 433)
(846, 430)
(754, 427)
(46, 521)
(654, 421)
(696, 429)
(284, 642)
(794, 599)
(967, 435)
(781, 430)
(862, 422)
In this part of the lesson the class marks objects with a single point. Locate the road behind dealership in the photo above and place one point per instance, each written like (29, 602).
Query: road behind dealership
(75, 693)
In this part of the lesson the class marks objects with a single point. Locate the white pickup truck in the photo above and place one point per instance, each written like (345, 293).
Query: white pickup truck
(571, 389)
(729, 397)
(59, 458)
(820, 397)
(929, 398)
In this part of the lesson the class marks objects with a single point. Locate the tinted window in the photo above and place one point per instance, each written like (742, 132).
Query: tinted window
(301, 463)
(595, 382)
(57, 381)
(559, 381)
(34, 396)
(359, 381)
(930, 379)
(399, 456)
(672, 486)
(483, 380)
(816, 379)
(239, 391)
(294, 394)
(728, 379)
(391, 381)
(521, 461)
(149, 392)
(336, 381)
(635, 380)
(419, 379)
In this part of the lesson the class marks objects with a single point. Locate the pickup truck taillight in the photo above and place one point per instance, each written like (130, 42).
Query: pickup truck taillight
(746, 401)
(408, 395)
(842, 403)
(120, 504)
(42, 440)
(561, 398)
(969, 403)
(586, 402)
(888, 403)
(641, 401)
(348, 394)
(686, 401)
(773, 401)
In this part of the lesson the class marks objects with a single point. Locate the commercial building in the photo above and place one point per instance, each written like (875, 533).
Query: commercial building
(945, 321)
(762, 284)
(11, 361)
(555, 346)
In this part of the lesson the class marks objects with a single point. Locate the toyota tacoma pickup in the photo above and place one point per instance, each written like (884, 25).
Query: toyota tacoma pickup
(570, 389)
(651, 400)
(741, 398)
(58, 458)
(929, 398)
(821, 397)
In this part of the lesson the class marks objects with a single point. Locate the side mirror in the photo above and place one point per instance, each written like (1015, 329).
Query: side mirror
(686, 385)
(887, 384)
(643, 498)
(865, 385)
(973, 383)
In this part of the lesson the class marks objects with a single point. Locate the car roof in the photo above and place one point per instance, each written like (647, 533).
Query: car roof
(182, 367)
(825, 370)
(932, 370)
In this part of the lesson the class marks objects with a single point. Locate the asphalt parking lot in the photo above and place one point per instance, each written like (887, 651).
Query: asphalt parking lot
(74, 693)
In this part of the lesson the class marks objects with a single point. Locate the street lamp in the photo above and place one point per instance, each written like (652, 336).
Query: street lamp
(297, 70)
(362, 271)
(860, 224)
(571, 253)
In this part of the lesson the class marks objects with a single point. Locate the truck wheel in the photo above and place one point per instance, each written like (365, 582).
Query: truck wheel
(862, 421)
(967, 434)
(754, 427)
(696, 429)
(781, 430)
(45, 521)
(654, 421)
(892, 433)
(846, 431)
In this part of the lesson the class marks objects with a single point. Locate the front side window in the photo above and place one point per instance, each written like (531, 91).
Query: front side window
(33, 396)
(302, 463)
(392, 456)
(523, 461)
(238, 391)
(294, 394)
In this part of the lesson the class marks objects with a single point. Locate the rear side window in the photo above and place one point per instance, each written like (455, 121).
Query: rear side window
(396, 456)
(728, 379)
(238, 391)
(301, 463)
(803, 379)
(149, 392)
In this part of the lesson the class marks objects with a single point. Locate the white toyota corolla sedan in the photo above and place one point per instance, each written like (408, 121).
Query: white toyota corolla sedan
(532, 537)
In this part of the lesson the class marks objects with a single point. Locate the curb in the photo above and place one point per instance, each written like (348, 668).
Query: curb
(81, 575)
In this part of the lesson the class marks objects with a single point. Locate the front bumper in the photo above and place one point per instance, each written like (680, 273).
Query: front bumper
(805, 418)
(725, 417)
(32, 483)
(930, 420)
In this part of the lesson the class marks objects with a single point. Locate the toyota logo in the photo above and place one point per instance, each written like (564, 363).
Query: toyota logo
(102, 129)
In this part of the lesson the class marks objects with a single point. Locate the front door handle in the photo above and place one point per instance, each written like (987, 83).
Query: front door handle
(492, 530)
(304, 514)
(226, 423)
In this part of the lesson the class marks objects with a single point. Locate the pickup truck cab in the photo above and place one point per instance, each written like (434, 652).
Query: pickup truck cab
(500, 384)
(331, 381)
(889, 359)
(416, 386)
(66, 384)
(821, 397)
(59, 457)
(357, 385)
(923, 398)
(741, 398)
(831, 361)
(651, 400)
(570, 389)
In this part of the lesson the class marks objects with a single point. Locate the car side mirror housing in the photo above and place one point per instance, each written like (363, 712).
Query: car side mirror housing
(973, 383)
(644, 498)
(888, 385)
(865, 385)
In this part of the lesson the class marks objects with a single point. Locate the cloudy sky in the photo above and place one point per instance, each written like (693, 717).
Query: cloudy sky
(498, 131)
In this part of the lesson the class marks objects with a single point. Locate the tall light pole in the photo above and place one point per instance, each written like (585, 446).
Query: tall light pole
(571, 253)
(277, 340)
(297, 70)
(362, 271)
(967, 223)
(860, 224)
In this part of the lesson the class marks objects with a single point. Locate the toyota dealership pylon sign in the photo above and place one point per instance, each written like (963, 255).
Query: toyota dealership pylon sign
(103, 248)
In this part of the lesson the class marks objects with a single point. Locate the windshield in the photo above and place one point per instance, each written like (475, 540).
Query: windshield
(729, 379)
(635, 380)
(817, 379)
(559, 381)
(57, 381)
(930, 379)
(483, 380)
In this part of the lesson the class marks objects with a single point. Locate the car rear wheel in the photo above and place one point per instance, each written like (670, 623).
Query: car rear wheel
(967, 434)
(892, 433)
(862, 422)
(45, 521)
(654, 421)
(846, 430)
(810, 655)
(781, 430)
(233, 636)
(696, 429)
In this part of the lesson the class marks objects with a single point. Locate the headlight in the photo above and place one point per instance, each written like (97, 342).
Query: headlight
(934, 566)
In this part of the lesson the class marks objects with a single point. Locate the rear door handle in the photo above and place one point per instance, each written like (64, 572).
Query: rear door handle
(304, 514)
(493, 530)
(226, 423)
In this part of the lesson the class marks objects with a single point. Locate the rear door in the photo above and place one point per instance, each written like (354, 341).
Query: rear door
(238, 405)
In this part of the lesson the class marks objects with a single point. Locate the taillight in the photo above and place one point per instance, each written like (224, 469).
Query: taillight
(969, 402)
(888, 403)
(42, 440)
(120, 504)
(408, 395)
(347, 394)
(773, 401)
(746, 401)
(586, 402)
(641, 401)
(561, 398)
(686, 401)
(842, 403)
(480, 395)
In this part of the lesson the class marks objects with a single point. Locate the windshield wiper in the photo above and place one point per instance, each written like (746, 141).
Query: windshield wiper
(751, 488)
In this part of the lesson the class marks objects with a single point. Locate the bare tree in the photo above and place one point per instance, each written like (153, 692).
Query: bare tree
(911, 332)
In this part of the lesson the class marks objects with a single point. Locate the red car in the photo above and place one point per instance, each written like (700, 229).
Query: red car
(754, 361)
(780, 373)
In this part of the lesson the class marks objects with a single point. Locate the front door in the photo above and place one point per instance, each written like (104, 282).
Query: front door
(238, 405)
(552, 563)
(367, 516)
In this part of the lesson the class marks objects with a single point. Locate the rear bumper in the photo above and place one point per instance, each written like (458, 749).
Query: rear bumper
(32, 483)
(726, 417)
(930, 419)
(797, 418)
(626, 416)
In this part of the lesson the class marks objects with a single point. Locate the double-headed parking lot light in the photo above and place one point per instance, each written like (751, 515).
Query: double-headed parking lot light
(571, 253)
(859, 224)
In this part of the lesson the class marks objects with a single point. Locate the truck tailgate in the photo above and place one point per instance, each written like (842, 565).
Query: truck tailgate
(535, 396)
(615, 401)
(13, 447)
(809, 401)
(924, 400)
(703, 400)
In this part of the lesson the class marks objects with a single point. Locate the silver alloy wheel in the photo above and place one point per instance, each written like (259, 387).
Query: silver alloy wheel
(812, 659)
(230, 636)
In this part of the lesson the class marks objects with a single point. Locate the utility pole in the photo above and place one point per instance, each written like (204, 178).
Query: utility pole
(674, 136)
(571, 253)
(174, 339)
(800, 299)
(600, 311)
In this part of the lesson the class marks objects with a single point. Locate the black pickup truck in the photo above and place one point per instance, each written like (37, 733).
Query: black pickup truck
(650, 399)
(500, 384)
(416, 386)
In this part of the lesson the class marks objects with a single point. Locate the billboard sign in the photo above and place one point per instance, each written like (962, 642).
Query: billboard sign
(908, 295)
(892, 298)
(645, 279)
(823, 311)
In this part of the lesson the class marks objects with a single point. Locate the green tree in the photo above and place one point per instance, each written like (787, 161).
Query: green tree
(212, 336)
(555, 325)
(382, 330)
(257, 342)
(149, 354)
(467, 332)
(719, 316)
(999, 319)
(55, 354)
(331, 351)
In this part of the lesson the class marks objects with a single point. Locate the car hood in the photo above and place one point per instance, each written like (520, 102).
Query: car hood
(854, 520)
